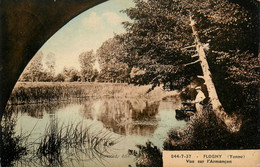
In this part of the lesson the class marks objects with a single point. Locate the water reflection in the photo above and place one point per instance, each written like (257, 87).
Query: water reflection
(37, 110)
(124, 117)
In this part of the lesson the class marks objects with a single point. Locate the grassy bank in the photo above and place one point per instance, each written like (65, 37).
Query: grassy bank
(43, 92)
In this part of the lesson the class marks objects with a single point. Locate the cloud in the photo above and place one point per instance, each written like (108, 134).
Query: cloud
(93, 22)
(112, 18)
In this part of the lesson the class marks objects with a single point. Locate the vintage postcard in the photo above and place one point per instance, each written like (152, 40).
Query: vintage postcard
(129, 83)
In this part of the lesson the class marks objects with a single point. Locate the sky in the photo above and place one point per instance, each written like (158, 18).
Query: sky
(85, 32)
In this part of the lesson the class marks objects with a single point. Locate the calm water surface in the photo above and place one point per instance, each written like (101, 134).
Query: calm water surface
(131, 121)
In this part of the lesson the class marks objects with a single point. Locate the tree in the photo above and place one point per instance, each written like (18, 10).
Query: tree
(59, 77)
(70, 75)
(50, 63)
(156, 40)
(207, 77)
(87, 60)
(112, 69)
(34, 69)
(153, 43)
(48, 71)
(37, 71)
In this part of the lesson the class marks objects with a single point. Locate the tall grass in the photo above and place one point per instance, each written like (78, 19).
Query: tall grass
(44, 92)
(11, 144)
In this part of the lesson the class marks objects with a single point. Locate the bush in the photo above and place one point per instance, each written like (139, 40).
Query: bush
(205, 132)
(148, 156)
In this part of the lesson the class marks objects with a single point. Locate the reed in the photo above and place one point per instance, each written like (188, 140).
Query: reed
(64, 145)
(59, 145)
(45, 92)
(11, 144)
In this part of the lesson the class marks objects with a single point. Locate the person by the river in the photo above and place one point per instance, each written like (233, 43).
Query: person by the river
(200, 97)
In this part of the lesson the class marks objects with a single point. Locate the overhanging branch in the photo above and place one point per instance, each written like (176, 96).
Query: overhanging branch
(196, 55)
(187, 47)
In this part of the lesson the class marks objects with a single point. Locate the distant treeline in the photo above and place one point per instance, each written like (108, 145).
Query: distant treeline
(109, 68)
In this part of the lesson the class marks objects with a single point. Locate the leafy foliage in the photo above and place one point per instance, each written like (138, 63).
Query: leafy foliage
(111, 68)
(39, 71)
(50, 64)
(70, 74)
(160, 30)
(87, 60)
(153, 43)
(34, 69)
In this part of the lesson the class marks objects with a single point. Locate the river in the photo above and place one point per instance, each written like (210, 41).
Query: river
(128, 122)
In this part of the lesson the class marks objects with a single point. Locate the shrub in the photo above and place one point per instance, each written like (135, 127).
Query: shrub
(205, 131)
(148, 156)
